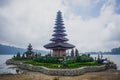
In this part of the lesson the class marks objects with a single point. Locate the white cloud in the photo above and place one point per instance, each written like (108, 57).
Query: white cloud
(96, 34)
(29, 21)
(32, 21)
(80, 3)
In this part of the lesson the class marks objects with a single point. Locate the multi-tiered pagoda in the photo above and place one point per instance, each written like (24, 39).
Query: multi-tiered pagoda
(59, 43)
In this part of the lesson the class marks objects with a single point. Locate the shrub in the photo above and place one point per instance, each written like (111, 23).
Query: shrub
(47, 59)
(51, 60)
(64, 64)
(84, 55)
(38, 59)
(83, 59)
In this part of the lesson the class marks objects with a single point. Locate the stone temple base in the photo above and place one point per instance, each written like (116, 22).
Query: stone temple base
(59, 72)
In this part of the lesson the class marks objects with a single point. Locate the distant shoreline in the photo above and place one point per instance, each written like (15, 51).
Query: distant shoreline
(90, 54)
(99, 53)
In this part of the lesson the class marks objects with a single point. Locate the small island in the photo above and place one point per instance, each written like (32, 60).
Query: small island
(58, 61)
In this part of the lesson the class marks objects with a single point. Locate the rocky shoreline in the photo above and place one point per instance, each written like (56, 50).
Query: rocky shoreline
(61, 72)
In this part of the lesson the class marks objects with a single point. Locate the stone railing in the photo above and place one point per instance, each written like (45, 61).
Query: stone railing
(60, 72)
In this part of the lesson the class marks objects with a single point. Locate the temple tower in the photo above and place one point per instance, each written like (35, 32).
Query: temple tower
(59, 43)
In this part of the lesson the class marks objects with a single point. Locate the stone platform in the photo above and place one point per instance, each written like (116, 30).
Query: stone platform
(59, 72)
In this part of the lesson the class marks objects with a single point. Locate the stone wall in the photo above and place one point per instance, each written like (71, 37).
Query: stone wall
(60, 72)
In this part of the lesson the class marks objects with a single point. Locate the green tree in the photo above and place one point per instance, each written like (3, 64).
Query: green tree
(72, 53)
(39, 54)
(76, 52)
(18, 55)
(36, 55)
(23, 55)
(88, 55)
(84, 55)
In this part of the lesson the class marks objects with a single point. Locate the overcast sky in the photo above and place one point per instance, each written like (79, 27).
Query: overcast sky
(91, 25)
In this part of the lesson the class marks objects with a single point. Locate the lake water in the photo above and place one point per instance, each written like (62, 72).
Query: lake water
(5, 69)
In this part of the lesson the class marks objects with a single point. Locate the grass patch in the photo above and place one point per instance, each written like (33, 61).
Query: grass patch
(72, 65)
(49, 65)
(80, 64)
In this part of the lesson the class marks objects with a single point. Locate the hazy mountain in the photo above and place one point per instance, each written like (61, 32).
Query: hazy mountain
(5, 49)
(113, 51)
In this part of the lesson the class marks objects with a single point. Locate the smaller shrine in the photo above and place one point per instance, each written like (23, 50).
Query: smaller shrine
(29, 52)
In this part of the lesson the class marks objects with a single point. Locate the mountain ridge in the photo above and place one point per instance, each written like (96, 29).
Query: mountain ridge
(6, 49)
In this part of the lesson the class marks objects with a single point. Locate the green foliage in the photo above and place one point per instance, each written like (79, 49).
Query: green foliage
(74, 65)
(84, 55)
(23, 55)
(83, 59)
(48, 55)
(46, 59)
(67, 61)
(17, 58)
(18, 54)
(21, 58)
(51, 60)
(56, 78)
(72, 52)
(70, 61)
(58, 62)
(50, 65)
(36, 55)
(88, 55)
(38, 59)
(63, 65)
(79, 64)
(76, 52)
